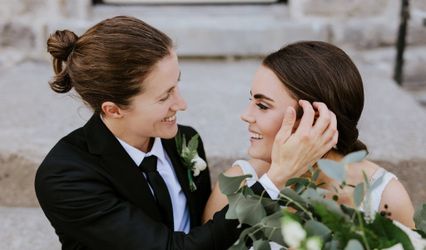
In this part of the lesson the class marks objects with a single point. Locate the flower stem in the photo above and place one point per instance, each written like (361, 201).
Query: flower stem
(298, 205)
(192, 185)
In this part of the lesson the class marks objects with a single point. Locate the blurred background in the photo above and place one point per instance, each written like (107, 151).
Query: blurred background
(220, 44)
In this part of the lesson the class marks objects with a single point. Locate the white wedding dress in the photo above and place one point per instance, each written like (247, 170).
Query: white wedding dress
(375, 196)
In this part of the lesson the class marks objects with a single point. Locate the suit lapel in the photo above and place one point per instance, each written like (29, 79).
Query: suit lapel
(120, 166)
(182, 175)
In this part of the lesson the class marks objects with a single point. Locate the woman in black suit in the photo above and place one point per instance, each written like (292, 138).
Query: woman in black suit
(119, 181)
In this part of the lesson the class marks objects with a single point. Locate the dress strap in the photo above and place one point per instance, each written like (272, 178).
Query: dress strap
(247, 168)
(384, 177)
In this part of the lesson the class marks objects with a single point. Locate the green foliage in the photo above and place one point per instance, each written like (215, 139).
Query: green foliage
(332, 169)
(336, 226)
(420, 218)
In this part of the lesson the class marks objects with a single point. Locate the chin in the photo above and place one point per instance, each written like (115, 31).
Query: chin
(169, 134)
(256, 154)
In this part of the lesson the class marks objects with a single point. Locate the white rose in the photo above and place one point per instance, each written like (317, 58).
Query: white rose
(313, 243)
(199, 165)
(293, 233)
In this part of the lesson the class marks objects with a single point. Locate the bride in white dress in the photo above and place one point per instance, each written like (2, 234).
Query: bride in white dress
(316, 72)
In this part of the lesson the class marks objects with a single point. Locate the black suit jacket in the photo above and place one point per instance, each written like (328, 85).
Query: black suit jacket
(96, 198)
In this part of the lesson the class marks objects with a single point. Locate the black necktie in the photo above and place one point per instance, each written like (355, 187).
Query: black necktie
(149, 167)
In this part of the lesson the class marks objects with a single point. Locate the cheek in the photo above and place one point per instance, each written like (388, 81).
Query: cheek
(273, 126)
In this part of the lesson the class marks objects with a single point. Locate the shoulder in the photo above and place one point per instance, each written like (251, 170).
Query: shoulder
(69, 159)
(396, 201)
(234, 170)
(394, 198)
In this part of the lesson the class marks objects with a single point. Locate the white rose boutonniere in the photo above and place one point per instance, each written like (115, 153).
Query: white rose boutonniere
(190, 158)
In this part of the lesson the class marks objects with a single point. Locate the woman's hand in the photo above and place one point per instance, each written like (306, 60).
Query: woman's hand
(292, 153)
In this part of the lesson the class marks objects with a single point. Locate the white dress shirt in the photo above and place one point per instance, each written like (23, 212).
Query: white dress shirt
(164, 167)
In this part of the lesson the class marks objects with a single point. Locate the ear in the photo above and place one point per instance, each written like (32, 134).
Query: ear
(111, 110)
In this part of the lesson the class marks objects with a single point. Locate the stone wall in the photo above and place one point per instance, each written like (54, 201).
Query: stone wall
(218, 30)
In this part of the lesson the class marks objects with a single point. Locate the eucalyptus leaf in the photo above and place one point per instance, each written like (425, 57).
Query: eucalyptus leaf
(239, 245)
(331, 245)
(316, 228)
(250, 211)
(297, 180)
(293, 197)
(261, 245)
(230, 184)
(420, 218)
(376, 183)
(354, 245)
(354, 157)
(271, 206)
(273, 220)
(315, 175)
(359, 194)
(333, 169)
(389, 233)
(233, 200)
(274, 235)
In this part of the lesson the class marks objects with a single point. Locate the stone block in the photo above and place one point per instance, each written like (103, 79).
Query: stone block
(17, 35)
(17, 176)
(344, 9)
(12, 9)
(76, 9)
(250, 38)
(416, 34)
(418, 5)
(362, 33)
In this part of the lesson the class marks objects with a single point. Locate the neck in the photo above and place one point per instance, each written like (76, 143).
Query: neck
(119, 130)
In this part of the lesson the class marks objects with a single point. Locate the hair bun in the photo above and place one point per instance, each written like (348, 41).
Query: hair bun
(61, 43)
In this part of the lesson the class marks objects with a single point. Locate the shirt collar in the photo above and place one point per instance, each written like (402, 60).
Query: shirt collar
(138, 156)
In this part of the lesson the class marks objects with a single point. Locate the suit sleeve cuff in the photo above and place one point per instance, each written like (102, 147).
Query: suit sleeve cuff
(269, 186)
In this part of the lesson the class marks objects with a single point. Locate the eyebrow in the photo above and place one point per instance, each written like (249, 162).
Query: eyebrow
(261, 96)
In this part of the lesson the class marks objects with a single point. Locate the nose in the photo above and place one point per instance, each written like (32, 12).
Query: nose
(180, 103)
(247, 116)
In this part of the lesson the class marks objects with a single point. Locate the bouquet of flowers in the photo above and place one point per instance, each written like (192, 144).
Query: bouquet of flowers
(303, 218)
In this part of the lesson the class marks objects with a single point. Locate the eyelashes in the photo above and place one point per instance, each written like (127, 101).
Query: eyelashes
(260, 105)
(165, 98)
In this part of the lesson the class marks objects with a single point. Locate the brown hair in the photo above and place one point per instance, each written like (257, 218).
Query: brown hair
(319, 71)
(108, 62)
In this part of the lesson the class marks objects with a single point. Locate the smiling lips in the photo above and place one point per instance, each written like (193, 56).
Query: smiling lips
(255, 136)
(169, 119)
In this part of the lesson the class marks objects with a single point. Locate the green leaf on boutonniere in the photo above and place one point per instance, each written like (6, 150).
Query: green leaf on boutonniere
(190, 158)
(193, 143)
